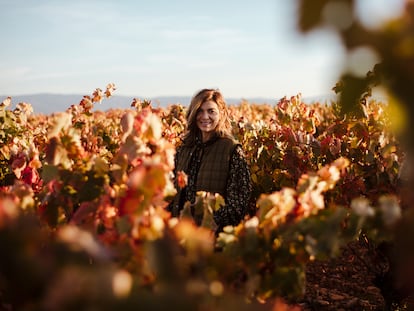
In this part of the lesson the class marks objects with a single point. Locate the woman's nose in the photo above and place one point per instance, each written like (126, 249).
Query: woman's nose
(204, 114)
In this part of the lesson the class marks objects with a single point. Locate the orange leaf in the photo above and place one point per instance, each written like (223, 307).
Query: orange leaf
(182, 179)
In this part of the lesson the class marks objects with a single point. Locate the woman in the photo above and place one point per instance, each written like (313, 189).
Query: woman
(212, 160)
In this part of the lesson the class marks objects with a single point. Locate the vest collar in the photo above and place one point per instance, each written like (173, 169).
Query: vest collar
(199, 142)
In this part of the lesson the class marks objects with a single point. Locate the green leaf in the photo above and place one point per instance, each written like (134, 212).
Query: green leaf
(49, 172)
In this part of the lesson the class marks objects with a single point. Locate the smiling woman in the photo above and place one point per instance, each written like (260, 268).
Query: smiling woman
(208, 116)
(212, 160)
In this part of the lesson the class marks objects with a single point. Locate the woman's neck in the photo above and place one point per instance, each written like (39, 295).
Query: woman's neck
(205, 137)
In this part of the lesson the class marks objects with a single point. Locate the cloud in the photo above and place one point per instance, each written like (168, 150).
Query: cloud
(185, 61)
(191, 34)
(15, 72)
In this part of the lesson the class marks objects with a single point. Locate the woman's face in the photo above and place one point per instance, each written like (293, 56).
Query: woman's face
(208, 116)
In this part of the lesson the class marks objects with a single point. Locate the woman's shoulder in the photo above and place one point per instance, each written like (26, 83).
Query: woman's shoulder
(228, 140)
(181, 148)
(231, 144)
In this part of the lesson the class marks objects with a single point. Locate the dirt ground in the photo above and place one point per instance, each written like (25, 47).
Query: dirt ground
(359, 279)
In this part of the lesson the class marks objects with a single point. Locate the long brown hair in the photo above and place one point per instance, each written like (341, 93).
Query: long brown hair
(223, 128)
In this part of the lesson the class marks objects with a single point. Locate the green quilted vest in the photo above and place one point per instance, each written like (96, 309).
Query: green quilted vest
(214, 169)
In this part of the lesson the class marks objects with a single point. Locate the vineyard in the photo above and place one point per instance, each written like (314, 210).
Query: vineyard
(83, 224)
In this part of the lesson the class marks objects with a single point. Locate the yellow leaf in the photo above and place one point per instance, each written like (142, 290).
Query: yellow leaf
(397, 114)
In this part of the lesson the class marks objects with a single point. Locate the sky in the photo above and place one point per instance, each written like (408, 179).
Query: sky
(246, 48)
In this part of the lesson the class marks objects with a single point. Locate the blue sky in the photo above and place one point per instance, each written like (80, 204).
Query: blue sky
(166, 47)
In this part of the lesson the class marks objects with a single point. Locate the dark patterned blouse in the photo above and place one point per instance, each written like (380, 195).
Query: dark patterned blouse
(238, 188)
(238, 191)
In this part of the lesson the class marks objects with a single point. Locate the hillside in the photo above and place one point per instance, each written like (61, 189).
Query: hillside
(46, 103)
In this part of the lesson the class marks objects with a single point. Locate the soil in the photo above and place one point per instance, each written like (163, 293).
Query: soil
(359, 279)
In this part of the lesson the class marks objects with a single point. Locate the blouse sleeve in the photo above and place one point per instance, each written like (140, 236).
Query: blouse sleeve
(238, 191)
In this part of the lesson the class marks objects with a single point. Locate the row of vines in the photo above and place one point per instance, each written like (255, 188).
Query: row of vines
(83, 193)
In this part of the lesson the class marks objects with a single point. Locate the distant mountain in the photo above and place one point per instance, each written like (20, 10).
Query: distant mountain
(46, 103)
(50, 103)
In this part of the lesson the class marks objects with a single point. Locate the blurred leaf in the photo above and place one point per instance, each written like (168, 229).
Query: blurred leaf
(49, 172)
(351, 88)
(398, 115)
(310, 14)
